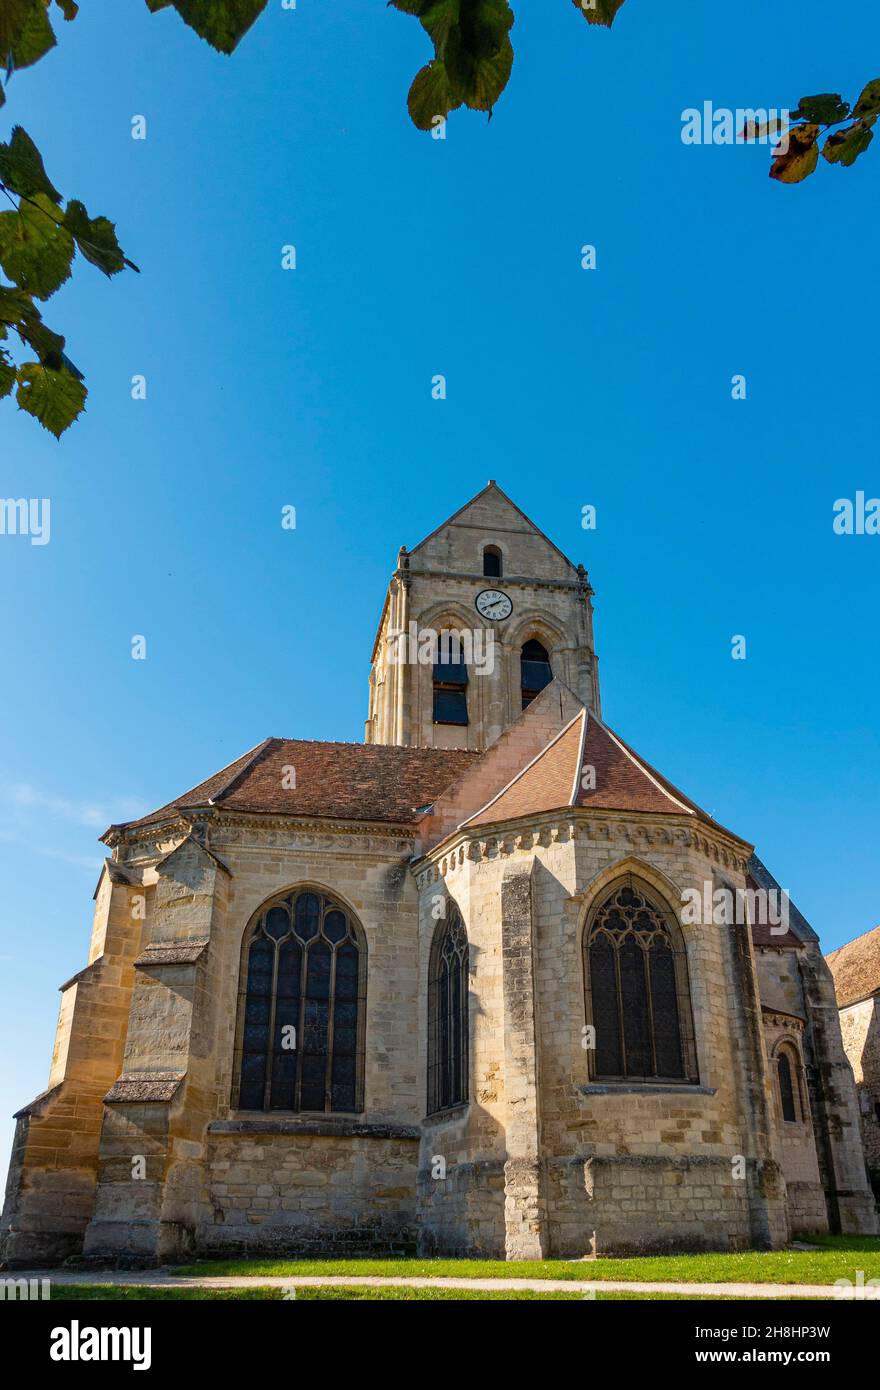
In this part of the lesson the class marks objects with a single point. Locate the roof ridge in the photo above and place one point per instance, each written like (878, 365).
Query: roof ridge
(359, 743)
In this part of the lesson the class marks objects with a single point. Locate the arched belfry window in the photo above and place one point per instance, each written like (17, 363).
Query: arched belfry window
(637, 992)
(492, 567)
(535, 670)
(450, 681)
(302, 990)
(448, 1014)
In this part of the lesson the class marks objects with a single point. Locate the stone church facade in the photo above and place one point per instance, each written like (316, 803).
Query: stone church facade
(440, 989)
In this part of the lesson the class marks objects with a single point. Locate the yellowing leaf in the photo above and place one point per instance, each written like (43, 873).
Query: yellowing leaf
(868, 103)
(797, 155)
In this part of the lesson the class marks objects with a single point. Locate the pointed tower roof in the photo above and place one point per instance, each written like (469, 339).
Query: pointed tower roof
(492, 490)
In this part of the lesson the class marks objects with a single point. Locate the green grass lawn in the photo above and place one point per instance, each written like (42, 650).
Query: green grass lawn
(133, 1293)
(838, 1257)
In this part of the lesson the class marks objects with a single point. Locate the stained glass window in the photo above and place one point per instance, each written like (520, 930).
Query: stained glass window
(448, 1015)
(301, 1008)
(637, 992)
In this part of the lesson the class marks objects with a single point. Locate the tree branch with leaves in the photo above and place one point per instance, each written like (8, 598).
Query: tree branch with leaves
(40, 234)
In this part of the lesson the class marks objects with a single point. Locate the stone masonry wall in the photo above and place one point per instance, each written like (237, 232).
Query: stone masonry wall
(346, 1193)
(860, 1029)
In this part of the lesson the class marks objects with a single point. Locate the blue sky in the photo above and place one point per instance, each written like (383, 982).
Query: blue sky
(311, 387)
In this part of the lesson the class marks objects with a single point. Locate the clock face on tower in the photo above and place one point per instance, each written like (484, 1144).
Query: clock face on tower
(493, 605)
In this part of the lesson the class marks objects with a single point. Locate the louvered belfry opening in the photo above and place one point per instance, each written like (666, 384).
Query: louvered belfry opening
(535, 670)
(301, 1008)
(637, 990)
(450, 681)
(448, 1014)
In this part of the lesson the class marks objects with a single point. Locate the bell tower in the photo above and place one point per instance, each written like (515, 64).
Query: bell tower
(477, 619)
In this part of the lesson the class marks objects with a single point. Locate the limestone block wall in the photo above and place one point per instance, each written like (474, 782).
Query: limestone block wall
(177, 1079)
(860, 1032)
(290, 1188)
(796, 1139)
(834, 1103)
(710, 1124)
(636, 1202)
(561, 1142)
(50, 1190)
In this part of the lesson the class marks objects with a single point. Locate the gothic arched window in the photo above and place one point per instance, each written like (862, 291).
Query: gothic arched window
(448, 1014)
(637, 993)
(302, 988)
(492, 562)
(786, 1088)
(789, 1078)
(535, 670)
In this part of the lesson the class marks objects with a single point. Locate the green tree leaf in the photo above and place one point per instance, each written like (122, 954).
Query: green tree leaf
(222, 23)
(21, 167)
(827, 109)
(482, 77)
(599, 11)
(35, 252)
(95, 238)
(439, 19)
(432, 94)
(25, 32)
(69, 8)
(868, 103)
(15, 305)
(845, 146)
(48, 346)
(799, 159)
(55, 398)
(7, 373)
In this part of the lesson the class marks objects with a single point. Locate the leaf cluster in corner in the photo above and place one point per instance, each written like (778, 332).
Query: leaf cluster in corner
(797, 155)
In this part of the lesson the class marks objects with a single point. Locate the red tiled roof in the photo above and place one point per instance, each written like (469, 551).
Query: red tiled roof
(856, 968)
(620, 780)
(339, 781)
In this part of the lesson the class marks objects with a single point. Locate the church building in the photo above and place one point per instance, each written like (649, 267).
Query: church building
(487, 983)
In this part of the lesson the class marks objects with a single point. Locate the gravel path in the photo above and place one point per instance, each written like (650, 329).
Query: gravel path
(159, 1280)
